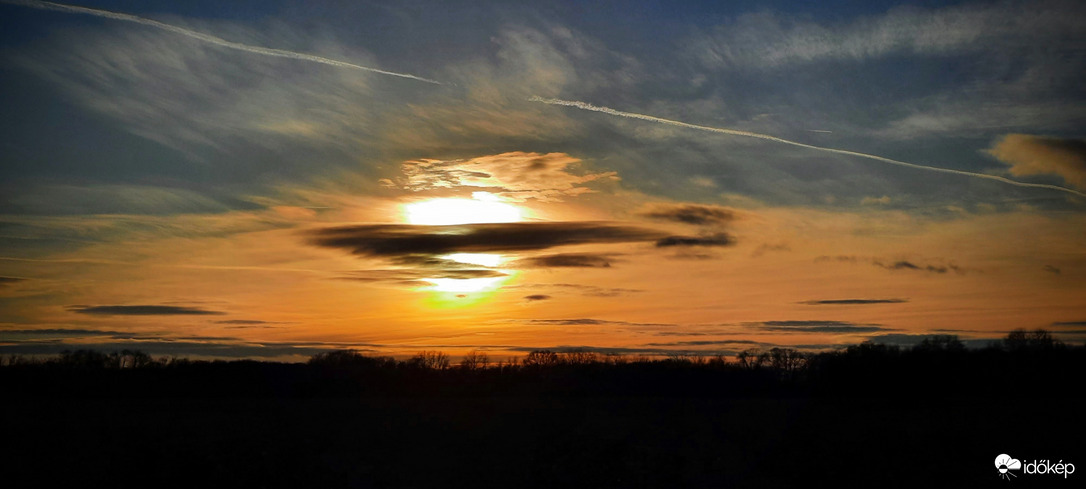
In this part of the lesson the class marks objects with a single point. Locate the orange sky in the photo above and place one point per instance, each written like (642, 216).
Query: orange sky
(278, 180)
(876, 272)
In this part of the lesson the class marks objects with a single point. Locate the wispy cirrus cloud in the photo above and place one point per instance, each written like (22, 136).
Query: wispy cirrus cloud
(770, 40)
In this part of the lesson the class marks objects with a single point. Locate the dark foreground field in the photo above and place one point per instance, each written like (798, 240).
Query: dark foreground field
(870, 417)
(516, 442)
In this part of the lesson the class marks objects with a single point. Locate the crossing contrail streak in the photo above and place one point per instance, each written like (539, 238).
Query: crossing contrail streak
(218, 41)
(733, 132)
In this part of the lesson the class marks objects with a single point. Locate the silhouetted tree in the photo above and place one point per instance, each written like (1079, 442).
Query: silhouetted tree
(130, 359)
(943, 343)
(541, 358)
(474, 360)
(433, 360)
(615, 359)
(578, 357)
(786, 359)
(349, 358)
(1036, 340)
(750, 359)
(83, 359)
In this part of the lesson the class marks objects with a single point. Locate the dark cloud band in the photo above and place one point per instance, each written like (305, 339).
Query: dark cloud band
(719, 239)
(396, 240)
(852, 302)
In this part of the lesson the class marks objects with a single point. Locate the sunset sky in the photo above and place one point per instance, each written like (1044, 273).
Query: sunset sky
(273, 179)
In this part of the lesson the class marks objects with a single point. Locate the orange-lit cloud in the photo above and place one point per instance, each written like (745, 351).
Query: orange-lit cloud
(1039, 155)
(514, 175)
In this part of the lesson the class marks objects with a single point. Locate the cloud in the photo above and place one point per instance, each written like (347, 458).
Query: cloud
(1051, 269)
(412, 276)
(142, 310)
(536, 297)
(818, 326)
(177, 348)
(202, 101)
(514, 175)
(769, 40)
(1069, 323)
(718, 239)
(585, 322)
(884, 200)
(566, 260)
(587, 290)
(114, 199)
(1039, 155)
(937, 268)
(766, 247)
(248, 324)
(706, 343)
(696, 214)
(908, 265)
(838, 258)
(64, 333)
(394, 239)
(848, 302)
(10, 280)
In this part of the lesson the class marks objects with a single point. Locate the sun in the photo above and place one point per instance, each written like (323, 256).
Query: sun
(482, 208)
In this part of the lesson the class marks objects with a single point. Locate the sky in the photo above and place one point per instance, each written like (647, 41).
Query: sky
(275, 179)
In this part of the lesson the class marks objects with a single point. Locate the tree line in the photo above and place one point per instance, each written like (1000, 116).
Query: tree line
(1022, 363)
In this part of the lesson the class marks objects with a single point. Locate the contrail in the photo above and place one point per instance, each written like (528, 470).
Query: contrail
(218, 41)
(733, 132)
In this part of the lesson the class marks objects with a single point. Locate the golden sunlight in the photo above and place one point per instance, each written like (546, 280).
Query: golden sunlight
(483, 207)
(481, 259)
(466, 284)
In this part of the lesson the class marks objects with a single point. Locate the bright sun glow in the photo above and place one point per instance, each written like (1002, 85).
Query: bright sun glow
(483, 207)
(481, 259)
(465, 285)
